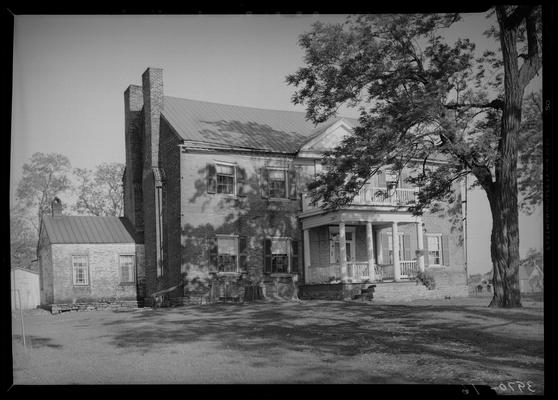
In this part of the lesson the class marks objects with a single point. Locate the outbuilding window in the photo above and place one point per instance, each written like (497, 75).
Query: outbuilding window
(127, 263)
(80, 267)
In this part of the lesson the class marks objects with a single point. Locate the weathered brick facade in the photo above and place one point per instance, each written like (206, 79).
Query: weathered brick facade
(182, 216)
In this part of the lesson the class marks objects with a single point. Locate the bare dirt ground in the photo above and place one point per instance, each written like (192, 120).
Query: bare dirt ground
(456, 341)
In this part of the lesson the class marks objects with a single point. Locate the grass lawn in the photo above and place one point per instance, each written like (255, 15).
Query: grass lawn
(456, 341)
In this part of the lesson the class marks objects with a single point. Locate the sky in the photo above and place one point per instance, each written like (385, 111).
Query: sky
(70, 73)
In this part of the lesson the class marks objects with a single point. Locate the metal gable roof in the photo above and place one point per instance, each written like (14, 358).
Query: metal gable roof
(87, 229)
(240, 127)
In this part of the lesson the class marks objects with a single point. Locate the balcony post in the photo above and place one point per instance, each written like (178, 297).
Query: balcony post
(370, 248)
(342, 251)
(420, 246)
(306, 244)
(380, 258)
(395, 246)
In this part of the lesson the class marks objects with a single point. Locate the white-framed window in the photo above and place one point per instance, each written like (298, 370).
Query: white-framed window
(227, 253)
(225, 175)
(127, 268)
(277, 183)
(434, 249)
(280, 255)
(80, 269)
(334, 252)
(401, 236)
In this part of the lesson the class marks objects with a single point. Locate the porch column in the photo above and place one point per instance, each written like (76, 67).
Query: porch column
(395, 247)
(342, 251)
(370, 248)
(306, 244)
(380, 257)
(420, 246)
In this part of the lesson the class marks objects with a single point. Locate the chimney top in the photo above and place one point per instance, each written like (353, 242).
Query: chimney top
(56, 207)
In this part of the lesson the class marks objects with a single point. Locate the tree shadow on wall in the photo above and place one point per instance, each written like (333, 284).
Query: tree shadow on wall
(251, 216)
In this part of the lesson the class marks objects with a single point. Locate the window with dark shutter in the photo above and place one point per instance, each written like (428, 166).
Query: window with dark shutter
(241, 182)
(267, 255)
(294, 256)
(292, 184)
(242, 253)
(264, 182)
(213, 252)
(445, 250)
(211, 174)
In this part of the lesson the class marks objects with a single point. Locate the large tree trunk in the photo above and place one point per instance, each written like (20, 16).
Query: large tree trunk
(504, 246)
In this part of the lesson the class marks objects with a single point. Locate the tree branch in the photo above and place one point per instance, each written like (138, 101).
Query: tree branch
(533, 61)
(496, 104)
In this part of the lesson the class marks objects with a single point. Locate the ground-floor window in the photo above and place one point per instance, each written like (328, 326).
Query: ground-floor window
(434, 249)
(227, 259)
(281, 255)
(80, 268)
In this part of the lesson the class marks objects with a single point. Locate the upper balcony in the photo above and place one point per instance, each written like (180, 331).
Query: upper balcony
(373, 196)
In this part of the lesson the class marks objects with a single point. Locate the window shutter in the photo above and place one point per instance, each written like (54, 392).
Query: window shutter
(240, 182)
(267, 255)
(292, 184)
(264, 178)
(242, 254)
(294, 256)
(425, 240)
(445, 250)
(213, 251)
(211, 174)
(385, 248)
(407, 247)
(381, 179)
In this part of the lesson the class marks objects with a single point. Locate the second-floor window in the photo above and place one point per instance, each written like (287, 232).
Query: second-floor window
(277, 183)
(225, 178)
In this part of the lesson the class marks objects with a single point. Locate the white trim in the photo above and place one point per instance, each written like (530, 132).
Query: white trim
(289, 252)
(237, 248)
(88, 277)
(439, 236)
(235, 178)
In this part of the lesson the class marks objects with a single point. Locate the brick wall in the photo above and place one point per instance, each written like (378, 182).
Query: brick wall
(204, 214)
(104, 273)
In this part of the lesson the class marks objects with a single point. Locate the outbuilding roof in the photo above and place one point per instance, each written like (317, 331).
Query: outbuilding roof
(241, 127)
(87, 229)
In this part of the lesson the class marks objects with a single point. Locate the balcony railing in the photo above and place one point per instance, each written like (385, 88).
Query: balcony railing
(374, 196)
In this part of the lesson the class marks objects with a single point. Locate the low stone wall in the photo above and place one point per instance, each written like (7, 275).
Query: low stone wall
(92, 306)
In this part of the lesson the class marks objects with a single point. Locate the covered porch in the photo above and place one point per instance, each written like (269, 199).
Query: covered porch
(357, 246)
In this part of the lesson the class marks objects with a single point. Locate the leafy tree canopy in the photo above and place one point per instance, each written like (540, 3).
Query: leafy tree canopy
(100, 190)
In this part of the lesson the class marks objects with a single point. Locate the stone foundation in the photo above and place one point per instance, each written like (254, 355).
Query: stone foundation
(93, 306)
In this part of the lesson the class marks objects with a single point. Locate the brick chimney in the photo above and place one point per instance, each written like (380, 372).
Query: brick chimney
(133, 119)
(56, 207)
(152, 81)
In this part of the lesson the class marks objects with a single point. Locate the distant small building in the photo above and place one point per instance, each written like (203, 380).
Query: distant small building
(530, 278)
(88, 260)
(25, 289)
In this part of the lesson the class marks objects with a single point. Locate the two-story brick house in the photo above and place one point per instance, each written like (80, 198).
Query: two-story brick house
(218, 194)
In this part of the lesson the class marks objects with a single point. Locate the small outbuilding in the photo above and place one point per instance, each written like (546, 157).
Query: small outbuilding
(530, 278)
(88, 262)
(25, 289)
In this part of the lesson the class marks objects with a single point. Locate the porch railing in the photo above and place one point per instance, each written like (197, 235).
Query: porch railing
(374, 196)
(360, 272)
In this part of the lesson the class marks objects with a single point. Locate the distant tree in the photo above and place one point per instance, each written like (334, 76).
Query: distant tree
(100, 190)
(45, 176)
(23, 238)
(534, 256)
(420, 98)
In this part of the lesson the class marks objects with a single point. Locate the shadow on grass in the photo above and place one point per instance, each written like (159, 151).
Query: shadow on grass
(332, 329)
(37, 342)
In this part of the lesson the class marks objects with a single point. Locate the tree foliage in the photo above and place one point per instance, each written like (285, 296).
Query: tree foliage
(421, 99)
(45, 176)
(100, 190)
(23, 238)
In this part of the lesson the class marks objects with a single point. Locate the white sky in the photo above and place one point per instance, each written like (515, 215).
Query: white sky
(70, 73)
